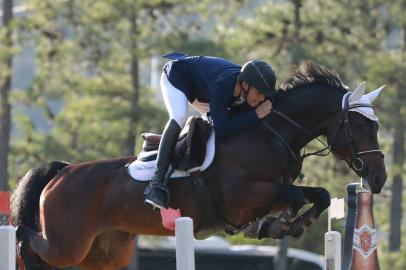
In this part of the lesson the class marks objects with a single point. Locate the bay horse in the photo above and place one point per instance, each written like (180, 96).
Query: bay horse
(88, 214)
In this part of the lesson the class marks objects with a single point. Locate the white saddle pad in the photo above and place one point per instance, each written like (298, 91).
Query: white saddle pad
(143, 171)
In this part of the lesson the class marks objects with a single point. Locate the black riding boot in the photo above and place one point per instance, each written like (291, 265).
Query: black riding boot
(157, 193)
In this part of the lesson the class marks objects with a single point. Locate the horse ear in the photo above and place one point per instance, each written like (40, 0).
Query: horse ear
(358, 92)
(374, 94)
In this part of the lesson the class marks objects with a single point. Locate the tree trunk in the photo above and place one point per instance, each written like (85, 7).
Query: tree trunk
(5, 110)
(397, 186)
(132, 127)
(298, 22)
(296, 52)
(395, 214)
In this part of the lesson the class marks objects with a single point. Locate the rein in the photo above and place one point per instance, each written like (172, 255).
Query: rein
(297, 125)
(354, 161)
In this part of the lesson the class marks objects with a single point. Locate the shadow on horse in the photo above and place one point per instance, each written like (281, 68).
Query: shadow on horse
(87, 214)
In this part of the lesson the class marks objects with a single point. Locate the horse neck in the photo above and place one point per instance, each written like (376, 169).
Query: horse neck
(316, 109)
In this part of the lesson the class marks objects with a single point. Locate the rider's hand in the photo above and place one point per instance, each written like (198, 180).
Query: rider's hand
(264, 109)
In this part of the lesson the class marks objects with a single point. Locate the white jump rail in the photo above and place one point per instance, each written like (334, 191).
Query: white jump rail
(185, 253)
(7, 248)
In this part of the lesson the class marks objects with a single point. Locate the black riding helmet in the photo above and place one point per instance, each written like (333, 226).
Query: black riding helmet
(260, 75)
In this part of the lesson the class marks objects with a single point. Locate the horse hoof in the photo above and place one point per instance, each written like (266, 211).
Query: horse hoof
(278, 229)
(23, 249)
(277, 234)
(265, 226)
(295, 230)
(252, 230)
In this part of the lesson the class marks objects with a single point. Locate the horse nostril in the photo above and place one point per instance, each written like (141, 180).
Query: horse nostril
(379, 181)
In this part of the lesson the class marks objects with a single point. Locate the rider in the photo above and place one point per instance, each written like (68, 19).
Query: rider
(209, 84)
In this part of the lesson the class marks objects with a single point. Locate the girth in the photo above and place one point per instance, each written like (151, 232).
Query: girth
(211, 221)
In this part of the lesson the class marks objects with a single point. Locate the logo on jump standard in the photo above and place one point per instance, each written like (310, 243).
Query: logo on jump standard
(364, 240)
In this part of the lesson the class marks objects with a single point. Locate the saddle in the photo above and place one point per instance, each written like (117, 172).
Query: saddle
(189, 154)
(190, 149)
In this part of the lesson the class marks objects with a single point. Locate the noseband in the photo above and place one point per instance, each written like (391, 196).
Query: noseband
(354, 162)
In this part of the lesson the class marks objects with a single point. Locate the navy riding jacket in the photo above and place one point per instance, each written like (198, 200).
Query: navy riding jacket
(210, 80)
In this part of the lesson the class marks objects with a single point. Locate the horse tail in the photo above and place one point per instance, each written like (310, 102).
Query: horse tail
(25, 198)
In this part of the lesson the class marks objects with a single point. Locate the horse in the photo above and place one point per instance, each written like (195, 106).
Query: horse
(88, 214)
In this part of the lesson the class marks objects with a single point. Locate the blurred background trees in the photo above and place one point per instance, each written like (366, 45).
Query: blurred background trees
(86, 79)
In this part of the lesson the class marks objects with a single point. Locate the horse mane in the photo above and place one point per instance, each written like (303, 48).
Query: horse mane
(309, 72)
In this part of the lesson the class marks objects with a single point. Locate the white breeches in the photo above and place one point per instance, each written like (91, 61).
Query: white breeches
(176, 102)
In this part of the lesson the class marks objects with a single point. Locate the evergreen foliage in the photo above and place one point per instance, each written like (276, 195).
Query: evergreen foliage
(92, 60)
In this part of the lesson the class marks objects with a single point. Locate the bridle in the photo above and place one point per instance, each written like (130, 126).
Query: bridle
(354, 162)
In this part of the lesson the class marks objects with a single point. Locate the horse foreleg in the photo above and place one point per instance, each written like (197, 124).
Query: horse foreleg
(320, 198)
(288, 199)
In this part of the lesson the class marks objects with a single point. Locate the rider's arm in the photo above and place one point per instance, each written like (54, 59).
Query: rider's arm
(225, 125)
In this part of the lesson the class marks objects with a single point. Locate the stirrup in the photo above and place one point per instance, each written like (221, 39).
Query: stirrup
(163, 201)
(154, 205)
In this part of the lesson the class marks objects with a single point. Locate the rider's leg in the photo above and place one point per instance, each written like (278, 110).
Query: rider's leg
(157, 193)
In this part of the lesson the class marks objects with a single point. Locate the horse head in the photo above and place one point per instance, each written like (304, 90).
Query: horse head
(316, 98)
(355, 137)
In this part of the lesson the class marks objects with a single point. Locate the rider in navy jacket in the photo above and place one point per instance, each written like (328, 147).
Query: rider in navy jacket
(214, 85)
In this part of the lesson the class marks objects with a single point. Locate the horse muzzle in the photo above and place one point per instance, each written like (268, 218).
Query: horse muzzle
(376, 176)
